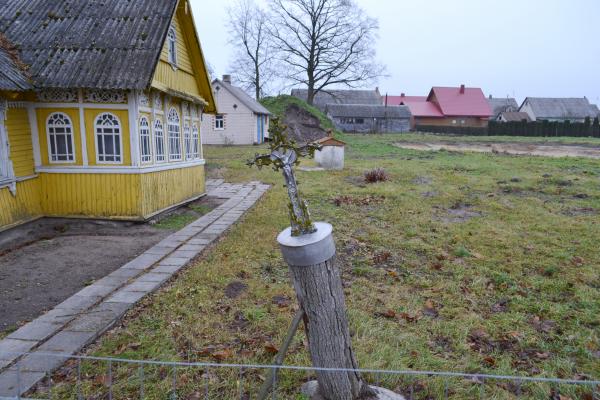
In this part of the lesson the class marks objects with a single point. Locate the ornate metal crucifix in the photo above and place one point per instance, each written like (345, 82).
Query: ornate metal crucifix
(284, 155)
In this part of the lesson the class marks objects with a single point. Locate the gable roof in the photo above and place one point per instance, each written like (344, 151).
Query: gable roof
(561, 108)
(341, 97)
(108, 44)
(367, 111)
(402, 99)
(502, 104)
(330, 141)
(243, 97)
(515, 116)
(425, 109)
(13, 76)
(461, 101)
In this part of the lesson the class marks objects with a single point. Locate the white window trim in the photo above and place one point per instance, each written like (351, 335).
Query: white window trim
(150, 147)
(196, 141)
(187, 141)
(180, 154)
(8, 179)
(222, 128)
(72, 140)
(172, 37)
(120, 140)
(77, 169)
(164, 144)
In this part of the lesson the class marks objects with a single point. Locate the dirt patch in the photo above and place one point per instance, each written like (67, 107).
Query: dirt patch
(527, 149)
(47, 261)
(422, 180)
(303, 127)
(580, 211)
(356, 181)
(235, 289)
(459, 213)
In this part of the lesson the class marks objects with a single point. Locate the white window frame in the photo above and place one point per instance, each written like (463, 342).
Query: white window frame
(219, 118)
(145, 136)
(187, 140)
(51, 137)
(5, 167)
(174, 135)
(159, 141)
(119, 134)
(195, 142)
(172, 45)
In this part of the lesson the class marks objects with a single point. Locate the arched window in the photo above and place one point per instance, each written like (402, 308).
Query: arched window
(174, 131)
(159, 140)
(108, 139)
(60, 138)
(145, 140)
(187, 140)
(195, 142)
(172, 46)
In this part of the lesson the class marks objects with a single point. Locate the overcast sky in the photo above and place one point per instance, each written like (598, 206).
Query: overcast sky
(539, 48)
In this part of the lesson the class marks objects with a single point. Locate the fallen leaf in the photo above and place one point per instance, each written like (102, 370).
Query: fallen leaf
(391, 314)
(577, 261)
(490, 361)
(407, 317)
(430, 309)
(271, 348)
(437, 266)
(101, 379)
(222, 354)
(542, 356)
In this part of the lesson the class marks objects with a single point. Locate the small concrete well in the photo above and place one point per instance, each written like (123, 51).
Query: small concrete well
(331, 156)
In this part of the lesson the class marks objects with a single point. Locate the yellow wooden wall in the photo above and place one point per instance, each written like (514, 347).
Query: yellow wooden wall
(19, 137)
(25, 205)
(166, 188)
(22, 207)
(182, 77)
(42, 119)
(119, 196)
(91, 195)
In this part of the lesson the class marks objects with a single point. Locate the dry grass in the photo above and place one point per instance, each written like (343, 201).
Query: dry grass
(466, 262)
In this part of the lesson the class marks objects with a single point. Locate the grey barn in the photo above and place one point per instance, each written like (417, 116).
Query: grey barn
(501, 105)
(367, 118)
(322, 99)
(559, 109)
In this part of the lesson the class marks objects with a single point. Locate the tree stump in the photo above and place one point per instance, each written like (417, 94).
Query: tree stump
(318, 286)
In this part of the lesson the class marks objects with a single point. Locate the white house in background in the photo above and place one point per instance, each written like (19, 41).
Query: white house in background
(241, 119)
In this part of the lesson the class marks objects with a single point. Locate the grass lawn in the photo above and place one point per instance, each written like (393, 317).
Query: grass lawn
(467, 262)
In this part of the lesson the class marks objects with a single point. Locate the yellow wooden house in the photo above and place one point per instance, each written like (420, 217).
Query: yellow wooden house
(100, 109)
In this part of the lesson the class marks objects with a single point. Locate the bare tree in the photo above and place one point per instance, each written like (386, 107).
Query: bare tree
(323, 43)
(253, 63)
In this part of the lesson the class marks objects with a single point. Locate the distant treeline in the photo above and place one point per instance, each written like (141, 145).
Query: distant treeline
(588, 128)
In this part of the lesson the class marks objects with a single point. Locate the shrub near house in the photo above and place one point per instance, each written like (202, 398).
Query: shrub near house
(110, 129)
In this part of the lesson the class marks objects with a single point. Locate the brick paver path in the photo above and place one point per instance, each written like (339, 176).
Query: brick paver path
(82, 318)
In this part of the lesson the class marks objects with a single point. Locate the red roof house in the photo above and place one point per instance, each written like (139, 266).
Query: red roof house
(451, 106)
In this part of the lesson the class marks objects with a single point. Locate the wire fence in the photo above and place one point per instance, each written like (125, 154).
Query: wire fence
(87, 377)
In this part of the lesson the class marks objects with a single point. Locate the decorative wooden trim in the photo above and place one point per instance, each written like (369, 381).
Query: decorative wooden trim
(82, 130)
(35, 138)
(119, 170)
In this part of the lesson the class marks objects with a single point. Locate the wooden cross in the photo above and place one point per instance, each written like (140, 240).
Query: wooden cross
(284, 156)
